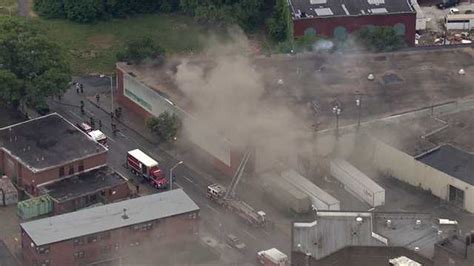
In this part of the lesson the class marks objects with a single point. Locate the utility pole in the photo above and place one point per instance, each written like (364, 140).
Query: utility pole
(359, 107)
(337, 112)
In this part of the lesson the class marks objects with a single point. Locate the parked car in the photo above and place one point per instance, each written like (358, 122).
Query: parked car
(447, 4)
(234, 242)
(453, 11)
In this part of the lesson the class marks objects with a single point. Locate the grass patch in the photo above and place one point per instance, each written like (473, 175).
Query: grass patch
(93, 48)
(7, 7)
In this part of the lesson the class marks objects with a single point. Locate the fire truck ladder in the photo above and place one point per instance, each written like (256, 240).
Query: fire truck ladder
(237, 175)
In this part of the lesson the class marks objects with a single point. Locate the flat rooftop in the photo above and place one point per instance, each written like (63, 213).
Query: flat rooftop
(403, 81)
(109, 217)
(452, 161)
(82, 184)
(302, 9)
(334, 230)
(454, 245)
(46, 142)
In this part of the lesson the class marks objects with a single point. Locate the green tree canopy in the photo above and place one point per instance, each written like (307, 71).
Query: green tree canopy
(279, 25)
(381, 39)
(165, 126)
(32, 67)
(140, 49)
(84, 11)
(49, 8)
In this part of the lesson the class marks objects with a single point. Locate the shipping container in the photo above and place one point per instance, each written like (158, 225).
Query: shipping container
(284, 195)
(320, 199)
(35, 207)
(357, 183)
(8, 192)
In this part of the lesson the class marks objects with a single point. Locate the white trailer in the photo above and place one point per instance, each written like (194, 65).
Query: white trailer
(459, 22)
(357, 183)
(285, 195)
(319, 198)
(272, 257)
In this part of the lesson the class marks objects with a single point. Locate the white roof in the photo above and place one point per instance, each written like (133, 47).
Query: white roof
(143, 158)
(97, 135)
(275, 255)
(108, 217)
(404, 261)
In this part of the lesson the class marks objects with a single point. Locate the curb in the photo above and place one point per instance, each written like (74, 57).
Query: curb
(123, 123)
(189, 166)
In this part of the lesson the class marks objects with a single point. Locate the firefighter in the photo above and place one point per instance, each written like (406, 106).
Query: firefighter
(97, 97)
(81, 86)
(100, 124)
(82, 107)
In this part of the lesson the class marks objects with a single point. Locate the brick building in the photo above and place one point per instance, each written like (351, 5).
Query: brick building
(98, 186)
(151, 90)
(336, 19)
(104, 234)
(45, 149)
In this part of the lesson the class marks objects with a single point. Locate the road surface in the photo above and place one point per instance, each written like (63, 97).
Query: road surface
(213, 218)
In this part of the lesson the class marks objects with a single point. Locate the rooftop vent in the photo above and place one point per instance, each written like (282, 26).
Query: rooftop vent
(317, 2)
(125, 216)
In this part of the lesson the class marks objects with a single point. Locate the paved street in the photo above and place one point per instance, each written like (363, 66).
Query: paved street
(214, 221)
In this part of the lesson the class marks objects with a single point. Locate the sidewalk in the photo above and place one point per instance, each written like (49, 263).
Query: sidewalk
(180, 150)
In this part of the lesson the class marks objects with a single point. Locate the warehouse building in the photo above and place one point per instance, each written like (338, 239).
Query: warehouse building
(150, 91)
(374, 238)
(45, 149)
(102, 235)
(446, 171)
(337, 19)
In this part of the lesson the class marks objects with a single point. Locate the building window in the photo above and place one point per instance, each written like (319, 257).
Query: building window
(61, 171)
(78, 242)
(91, 239)
(79, 254)
(42, 250)
(340, 33)
(71, 169)
(105, 236)
(134, 243)
(310, 32)
(80, 168)
(399, 28)
(106, 249)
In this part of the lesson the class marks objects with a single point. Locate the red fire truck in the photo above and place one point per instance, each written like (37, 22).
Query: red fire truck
(143, 165)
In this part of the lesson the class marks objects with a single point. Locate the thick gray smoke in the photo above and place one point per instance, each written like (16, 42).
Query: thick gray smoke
(227, 92)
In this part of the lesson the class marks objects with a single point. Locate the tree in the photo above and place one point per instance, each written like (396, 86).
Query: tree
(380, 39)
(84, 11)
(138, 50)
(49, 8)
(165, 126)
(279, 25)
(32, 68)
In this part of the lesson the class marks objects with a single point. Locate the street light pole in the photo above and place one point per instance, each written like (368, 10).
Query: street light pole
(171, 174)
(337, 111)
(359, 106)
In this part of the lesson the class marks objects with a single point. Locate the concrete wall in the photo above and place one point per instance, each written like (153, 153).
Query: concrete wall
(326, 26)
(171, 230)
(404, 167)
